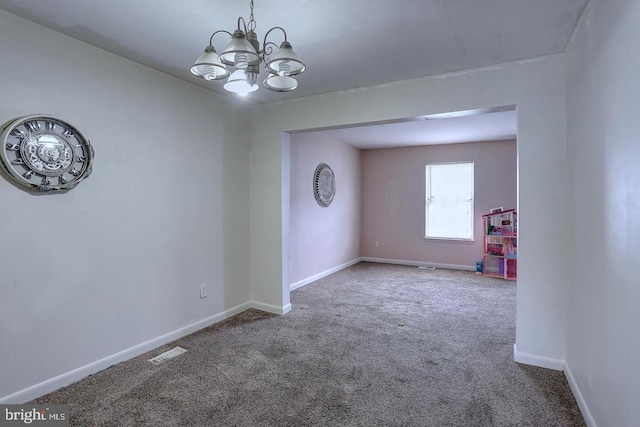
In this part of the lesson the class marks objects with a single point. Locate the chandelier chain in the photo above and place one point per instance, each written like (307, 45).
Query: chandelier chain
(252, 22)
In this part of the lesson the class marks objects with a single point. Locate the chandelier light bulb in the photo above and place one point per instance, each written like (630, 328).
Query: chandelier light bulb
(241, 60)
(210, 72)
(251, 74)
(284, 68)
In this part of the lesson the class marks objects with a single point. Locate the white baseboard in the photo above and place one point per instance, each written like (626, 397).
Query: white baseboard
(270, 308)
(325, 273)
(540, 361)
(582, 404)
(77, 374)
(420, 263)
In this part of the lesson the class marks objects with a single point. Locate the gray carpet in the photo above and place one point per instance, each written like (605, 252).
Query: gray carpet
(372, 345)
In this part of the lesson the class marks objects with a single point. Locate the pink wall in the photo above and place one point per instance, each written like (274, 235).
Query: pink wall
(320, 238)
(393, 188)
(380, 197)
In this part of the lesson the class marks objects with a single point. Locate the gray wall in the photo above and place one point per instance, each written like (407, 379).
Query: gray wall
(603, 136)
(537, 88)
(105, 271)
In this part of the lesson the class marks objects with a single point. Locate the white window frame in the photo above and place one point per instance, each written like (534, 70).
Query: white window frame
(429, 198)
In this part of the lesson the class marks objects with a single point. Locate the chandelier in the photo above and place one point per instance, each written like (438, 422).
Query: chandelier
(244, 55)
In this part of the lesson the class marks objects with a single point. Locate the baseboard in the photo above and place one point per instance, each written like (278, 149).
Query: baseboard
(325, 273)
(270, 308)
(70, 377)
(582, 404)
(540, 361)
(420, 263)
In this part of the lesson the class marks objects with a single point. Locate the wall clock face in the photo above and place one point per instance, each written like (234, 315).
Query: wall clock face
(324, 185)
(43, 153)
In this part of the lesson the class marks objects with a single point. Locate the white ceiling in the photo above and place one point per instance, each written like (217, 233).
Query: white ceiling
(345, 44)
(472, 126)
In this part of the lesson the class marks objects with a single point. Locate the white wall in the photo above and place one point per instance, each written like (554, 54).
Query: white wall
(535, 86)
(323, 239)
(603, 133)
(117, 261)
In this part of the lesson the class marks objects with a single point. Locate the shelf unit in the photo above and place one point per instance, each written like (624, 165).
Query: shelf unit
(500, 258)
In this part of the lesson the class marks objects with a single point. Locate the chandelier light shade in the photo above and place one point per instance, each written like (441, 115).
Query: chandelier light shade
(239, 52)
(239, 83)
(208, 66)
(285, 62)
(280, 83)
(243, 55)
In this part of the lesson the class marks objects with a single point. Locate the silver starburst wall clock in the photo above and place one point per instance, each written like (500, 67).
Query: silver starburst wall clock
(43, 153)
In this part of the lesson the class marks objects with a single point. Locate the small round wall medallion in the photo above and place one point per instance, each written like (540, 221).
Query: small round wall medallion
(324, 185)
(43, 153)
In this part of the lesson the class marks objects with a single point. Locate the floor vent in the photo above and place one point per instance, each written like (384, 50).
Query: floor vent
(176, 351)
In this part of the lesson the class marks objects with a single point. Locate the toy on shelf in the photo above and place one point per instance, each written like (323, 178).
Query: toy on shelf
(500, 244)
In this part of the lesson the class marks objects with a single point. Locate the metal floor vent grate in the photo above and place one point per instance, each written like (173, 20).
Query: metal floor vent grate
(176, 351)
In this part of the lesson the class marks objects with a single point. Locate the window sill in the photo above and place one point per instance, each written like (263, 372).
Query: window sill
(449, 239)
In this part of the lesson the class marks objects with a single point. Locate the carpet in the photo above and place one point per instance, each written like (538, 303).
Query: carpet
(371, 345)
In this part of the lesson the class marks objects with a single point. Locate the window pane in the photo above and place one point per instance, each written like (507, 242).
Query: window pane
(450, 219)
(451, 182)
(449, 201)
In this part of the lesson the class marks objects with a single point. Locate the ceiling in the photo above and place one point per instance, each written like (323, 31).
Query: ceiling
(345, 44)
(469, 126)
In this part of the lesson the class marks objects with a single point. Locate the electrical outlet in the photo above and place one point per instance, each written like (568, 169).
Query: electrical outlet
(377, 244)
(203, 291)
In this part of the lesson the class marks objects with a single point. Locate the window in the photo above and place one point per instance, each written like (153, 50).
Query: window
(449, 201)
